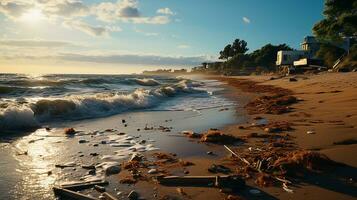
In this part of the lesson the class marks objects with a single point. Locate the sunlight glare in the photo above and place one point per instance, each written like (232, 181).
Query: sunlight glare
(33, 15)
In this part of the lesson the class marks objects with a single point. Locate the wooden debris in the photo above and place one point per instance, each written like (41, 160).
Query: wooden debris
(236, 155)
(82, 186)
(68, 194)
(221, 181)
(109, 196)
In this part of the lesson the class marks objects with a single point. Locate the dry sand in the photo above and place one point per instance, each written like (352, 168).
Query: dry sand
(329, 108)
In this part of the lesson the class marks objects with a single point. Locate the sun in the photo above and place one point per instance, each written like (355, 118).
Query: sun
(33, 15)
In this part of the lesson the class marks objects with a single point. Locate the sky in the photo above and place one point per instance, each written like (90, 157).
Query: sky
(128, 36)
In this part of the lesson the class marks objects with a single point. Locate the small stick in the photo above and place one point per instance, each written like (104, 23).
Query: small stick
(109, 196)
(242, 159)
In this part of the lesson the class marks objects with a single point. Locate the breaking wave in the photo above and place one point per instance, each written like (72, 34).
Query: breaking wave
(28, 115)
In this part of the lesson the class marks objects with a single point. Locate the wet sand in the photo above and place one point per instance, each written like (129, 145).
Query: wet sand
(32, 175)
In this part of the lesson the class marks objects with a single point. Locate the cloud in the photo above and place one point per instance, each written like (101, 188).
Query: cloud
(14, 10)
(109, 12)
(87, 28)
(34, 43)
(165, 11)
(183, 46)
(151, 20)
(110, 58)
(246, 20)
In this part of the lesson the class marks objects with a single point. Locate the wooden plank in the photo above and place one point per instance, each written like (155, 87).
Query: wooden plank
(206, 181)
(109, 196)
(82, 186)
(68, 194)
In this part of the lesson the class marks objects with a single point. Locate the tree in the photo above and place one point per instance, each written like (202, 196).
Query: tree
(226, 53)
(340, 20)
(329, 54)
(239, 47)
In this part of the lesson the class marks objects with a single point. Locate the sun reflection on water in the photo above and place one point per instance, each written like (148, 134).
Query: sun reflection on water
(38, 162)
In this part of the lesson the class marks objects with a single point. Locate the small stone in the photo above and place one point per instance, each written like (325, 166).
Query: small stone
(92, 172)
(133, 195)
(94, 154)
(88, 166)
(123, 121)
(292, 79)
(310, 132)
(142, 142)
(82, 141)
(103, 142)
(186, 172)
(114, 169)
(209, 153)
(119, 193)
(125, 125)
(95, 145)
(138, 129)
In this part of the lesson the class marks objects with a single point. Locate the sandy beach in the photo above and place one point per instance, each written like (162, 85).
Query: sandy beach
(322, 119)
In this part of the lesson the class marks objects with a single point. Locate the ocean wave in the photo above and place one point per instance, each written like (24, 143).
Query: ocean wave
(89, 106)
(147, 82)
(17, 118)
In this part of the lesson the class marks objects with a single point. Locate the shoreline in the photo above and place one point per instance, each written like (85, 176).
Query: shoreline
(244, 90)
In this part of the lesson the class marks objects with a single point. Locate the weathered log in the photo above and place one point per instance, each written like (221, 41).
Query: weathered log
(68, 194)
(206, 181)
(82, 186)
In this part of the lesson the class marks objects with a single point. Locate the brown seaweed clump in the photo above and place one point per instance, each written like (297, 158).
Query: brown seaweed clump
(216, 136)
(70, 131)
(264, 180)
(302, 160)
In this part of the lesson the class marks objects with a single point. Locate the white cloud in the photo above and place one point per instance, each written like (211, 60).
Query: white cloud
(34, 43)
(151, 20)
(183, 46)
(246, 20)
(86, 28)
(165, 11)
(71, 13)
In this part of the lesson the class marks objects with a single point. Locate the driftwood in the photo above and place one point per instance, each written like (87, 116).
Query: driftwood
(236, 155)
(108, 196)
(68, 194)
(82, 186)
(213, 181)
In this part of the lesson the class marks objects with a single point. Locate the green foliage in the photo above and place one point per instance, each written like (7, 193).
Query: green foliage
(229, 51)
(329, 54)
(340, 20)
(260, 60)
